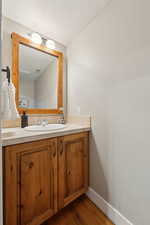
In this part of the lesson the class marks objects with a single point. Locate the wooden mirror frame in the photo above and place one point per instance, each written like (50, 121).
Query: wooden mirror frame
(16, 41)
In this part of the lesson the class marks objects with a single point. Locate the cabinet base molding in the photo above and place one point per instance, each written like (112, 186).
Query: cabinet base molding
(114, 215)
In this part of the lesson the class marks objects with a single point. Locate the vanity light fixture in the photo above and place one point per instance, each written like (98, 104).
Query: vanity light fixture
(36, 38)
(50, 44)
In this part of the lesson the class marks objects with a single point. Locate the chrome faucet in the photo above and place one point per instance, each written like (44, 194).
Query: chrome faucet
(44, 122)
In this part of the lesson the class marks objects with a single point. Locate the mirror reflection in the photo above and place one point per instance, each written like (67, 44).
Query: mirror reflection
(38, 79)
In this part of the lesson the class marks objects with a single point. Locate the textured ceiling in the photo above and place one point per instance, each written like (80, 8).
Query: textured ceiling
(61, 20)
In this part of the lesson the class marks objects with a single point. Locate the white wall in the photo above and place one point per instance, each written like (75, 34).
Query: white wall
(46, 87)
(27, 90)
(109, 78)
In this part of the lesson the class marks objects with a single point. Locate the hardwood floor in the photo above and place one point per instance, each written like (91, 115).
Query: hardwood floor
(80, 212)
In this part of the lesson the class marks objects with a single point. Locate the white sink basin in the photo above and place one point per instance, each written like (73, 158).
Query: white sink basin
(48, 127)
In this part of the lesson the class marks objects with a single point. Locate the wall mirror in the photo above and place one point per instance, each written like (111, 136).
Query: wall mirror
(37, 76)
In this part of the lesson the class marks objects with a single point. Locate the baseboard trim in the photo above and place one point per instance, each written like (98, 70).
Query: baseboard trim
(114, 215)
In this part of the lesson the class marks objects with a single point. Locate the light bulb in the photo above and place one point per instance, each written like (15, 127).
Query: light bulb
(50, 44)
(36, 38)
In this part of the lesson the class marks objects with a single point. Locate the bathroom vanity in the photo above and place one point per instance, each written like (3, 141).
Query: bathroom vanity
(43, 176)
(43, 170)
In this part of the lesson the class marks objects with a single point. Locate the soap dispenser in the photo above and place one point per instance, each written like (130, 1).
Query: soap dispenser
(24, 120)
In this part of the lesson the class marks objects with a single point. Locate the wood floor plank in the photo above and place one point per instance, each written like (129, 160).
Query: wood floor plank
(80, 212)
(95, 212)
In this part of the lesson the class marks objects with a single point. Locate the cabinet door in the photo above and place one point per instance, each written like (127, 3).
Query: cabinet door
(73, 167)
(30, 182)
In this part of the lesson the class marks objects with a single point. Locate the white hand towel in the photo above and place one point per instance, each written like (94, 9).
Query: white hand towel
(12, 101)
(8, 107)
(5, 109)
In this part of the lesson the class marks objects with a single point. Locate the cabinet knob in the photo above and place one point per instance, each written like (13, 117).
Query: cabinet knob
(68, 172)
(61, 150)
(31, 164)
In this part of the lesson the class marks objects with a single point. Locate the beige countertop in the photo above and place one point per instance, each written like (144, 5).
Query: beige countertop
(11, 136)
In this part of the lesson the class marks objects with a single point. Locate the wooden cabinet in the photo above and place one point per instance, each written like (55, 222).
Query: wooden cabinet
(73, 167)
(43, 176)
(30, 182)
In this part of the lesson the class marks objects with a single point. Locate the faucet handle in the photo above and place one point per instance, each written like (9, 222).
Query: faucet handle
(61, 120)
